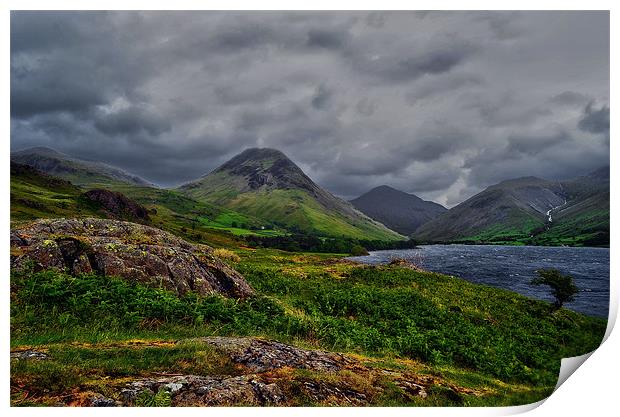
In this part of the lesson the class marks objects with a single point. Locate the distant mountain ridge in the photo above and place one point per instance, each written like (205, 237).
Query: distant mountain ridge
(529, 210)
(76, 170)
(265, 183)
(396, 209)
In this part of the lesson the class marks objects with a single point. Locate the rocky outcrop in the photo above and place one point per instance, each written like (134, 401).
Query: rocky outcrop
(194, 390)
(117, 204)
(269, 375)
(127, 250)
(261, 355)
(29, 354)
(253, 371)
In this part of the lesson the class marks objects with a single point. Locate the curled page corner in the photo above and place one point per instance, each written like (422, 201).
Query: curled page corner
(569, 366)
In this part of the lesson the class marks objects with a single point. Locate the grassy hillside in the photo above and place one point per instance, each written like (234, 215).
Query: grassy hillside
(297, 211)
(264, 183)
(36, 195)
(515, 212)
(504, 348)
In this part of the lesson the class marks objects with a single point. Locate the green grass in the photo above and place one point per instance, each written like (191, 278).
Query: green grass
(293, 209)
(588, 228)
(516, 231)
(35, 196)
(383, 312)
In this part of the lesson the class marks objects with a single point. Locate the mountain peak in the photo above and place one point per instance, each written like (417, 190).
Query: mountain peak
(263, 153)
(41, 150)
(520, 182)
(398, 210)
(384, 188)
(260, 159)
(78, 171)
(601, 173)
(265, 183)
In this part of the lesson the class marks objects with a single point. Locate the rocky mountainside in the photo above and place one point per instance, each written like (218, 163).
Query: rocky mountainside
(266, 184)
(118, 205)
(127, 250)
(529, 209)
(396, 209)
(78, 171)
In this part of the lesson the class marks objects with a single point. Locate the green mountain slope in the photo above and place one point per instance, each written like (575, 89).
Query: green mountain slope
(519, 211)
(78, 171)
(35, 194)
(266, 184)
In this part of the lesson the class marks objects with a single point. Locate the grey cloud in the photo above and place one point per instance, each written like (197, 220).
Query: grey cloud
(327, 38)
(595, 121)
(376, 20)
(570, 98)
(507, 110)
(441, 86)
(366, 107)
(132, 121)
(242, 94)
(439, 103)
(433, 142)
(534, 144)
(505, 26)
(322, 97)
(408, 61)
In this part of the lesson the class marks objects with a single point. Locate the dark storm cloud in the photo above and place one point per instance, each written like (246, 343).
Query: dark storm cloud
(132, 120)
(439, 103)
(327, 38)
(595, 121)
(534, 144)
(409, 61)
(321, 97)
(570, 98)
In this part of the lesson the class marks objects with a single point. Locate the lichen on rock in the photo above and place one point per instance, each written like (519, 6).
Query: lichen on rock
(128, 250)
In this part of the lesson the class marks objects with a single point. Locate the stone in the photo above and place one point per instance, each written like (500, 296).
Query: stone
(261, 355)
(103, 402)
(198, 390)
(29, 354)
(128, 250)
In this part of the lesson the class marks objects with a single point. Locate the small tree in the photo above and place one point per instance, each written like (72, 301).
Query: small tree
(358, 250)
(562, 287)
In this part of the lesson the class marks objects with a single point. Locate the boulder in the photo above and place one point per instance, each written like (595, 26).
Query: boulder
(195, 390)
(117, 204)
(261, 355)
(128, 250)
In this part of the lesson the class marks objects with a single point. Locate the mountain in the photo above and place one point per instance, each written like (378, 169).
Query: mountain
(266, 184)
(396, 209)
(78, 171)
(529, 210)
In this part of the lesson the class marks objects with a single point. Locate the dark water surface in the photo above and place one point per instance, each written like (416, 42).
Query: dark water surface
(512, 268)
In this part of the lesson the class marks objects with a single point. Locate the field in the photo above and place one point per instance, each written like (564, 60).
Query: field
(498, 347)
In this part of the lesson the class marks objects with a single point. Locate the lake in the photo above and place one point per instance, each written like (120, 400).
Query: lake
(512, 268)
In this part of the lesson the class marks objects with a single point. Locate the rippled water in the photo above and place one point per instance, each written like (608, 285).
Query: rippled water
(512, 268)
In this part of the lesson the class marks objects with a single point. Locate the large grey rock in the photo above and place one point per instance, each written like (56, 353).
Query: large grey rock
(127, 250)
(195, 390)
(261, 355)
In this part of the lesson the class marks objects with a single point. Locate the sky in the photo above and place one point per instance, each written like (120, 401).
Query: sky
(440, 104)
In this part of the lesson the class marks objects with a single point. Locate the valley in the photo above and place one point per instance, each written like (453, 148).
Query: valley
(124, 294)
